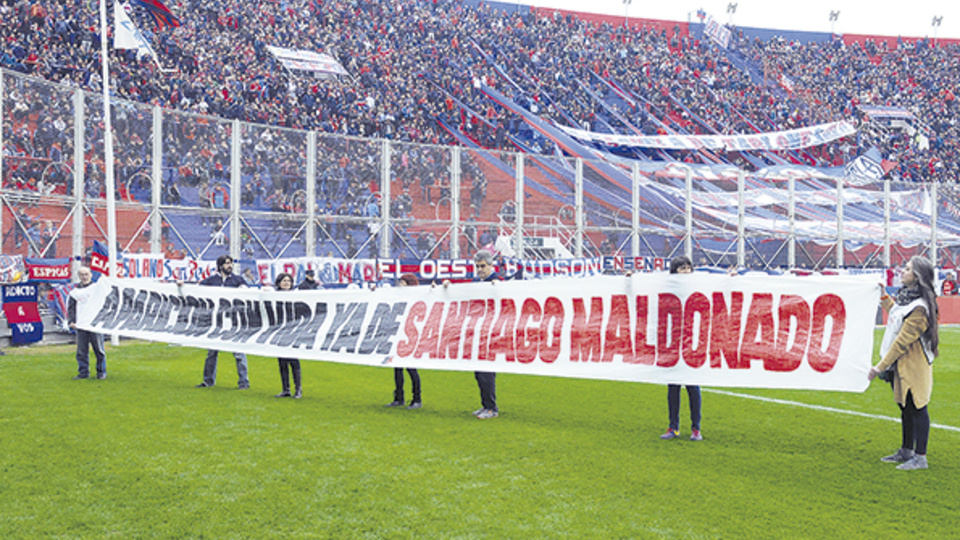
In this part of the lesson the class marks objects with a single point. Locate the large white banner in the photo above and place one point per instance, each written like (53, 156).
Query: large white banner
(792, 139)
(741, 331)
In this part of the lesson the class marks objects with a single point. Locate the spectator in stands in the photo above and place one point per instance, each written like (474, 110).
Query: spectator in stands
(86, 339)
(406, 280)
(910, 344)
(284, 282)
(682, 265)
(224, 277)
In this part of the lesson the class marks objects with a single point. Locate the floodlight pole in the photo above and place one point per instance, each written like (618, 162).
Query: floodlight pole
(578, 209)
(455, 180)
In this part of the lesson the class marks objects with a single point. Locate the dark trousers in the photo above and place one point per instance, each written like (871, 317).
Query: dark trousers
(289, 364)
(916, 426)
(398, 384)
(487, 382)
(673, 405)
(86, 340)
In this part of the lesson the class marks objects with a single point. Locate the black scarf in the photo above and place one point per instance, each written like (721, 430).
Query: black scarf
(907, 294)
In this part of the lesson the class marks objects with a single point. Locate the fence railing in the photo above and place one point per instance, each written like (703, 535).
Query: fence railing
(199, 186)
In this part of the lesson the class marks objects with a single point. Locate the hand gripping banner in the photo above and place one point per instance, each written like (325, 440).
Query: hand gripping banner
(742, 331)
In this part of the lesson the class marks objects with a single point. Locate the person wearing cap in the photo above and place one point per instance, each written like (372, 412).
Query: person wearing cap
(309, 282)
(224, 278)
(406, 280)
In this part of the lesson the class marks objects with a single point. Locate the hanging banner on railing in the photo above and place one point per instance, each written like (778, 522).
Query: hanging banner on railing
(793, 139)
(706, 329)
(332, 272)
(48, 270)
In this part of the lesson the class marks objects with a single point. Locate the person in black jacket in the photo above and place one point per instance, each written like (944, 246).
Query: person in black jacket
(224, 278)
(285, 283)
(406, 280)
(309, 282)
(86, 339)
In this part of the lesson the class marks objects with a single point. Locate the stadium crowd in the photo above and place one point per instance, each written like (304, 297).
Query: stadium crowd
(415, 62)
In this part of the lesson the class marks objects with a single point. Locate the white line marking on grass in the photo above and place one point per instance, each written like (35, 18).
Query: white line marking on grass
(822, 408)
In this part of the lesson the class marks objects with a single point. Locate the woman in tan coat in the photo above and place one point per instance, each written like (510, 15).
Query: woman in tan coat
(910, 343)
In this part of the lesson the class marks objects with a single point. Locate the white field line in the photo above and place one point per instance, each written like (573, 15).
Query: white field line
(822, 408)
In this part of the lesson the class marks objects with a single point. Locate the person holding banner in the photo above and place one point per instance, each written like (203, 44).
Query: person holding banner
(487, 381)
(309, 283)
(86, 339)
(406, 280)
(682, 265)
(910, 343)
(224, 278)
(285, 283)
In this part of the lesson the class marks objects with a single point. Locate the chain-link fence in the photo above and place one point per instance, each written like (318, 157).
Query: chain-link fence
(196, 186)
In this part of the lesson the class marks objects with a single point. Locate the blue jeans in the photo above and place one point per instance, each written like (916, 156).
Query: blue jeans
(85, 340)
(673, 405)
(210, 368)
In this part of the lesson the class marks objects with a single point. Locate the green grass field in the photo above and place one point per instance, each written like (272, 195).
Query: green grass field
(144, 454)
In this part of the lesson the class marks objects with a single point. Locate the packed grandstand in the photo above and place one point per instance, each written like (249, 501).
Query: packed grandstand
(482, 76)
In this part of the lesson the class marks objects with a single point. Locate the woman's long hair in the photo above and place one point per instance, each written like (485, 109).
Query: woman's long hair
(924, 272)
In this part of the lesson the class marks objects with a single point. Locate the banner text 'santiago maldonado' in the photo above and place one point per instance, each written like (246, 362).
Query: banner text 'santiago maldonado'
(750, 331)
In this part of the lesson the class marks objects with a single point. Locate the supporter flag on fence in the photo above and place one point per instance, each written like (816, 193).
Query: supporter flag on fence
(48, 270)
(99, 258)
(161, 14)
(23, 315)
(61, 297)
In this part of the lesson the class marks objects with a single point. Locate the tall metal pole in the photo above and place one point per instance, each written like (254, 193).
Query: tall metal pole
(156, 182)
(79, 217)
(108, 146)
(635, 214)
(840, 252)
(578, 201)
(518, 196)
(386, 234)
(455, 203)
(933, 222)
(688, 219)
(886, 224)
(792, 217)
(741, 220)
(235, 180)
(310, 234)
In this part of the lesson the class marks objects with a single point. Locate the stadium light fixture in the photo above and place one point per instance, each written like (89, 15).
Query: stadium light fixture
(935, 23)
(626, 13)
(834, 15)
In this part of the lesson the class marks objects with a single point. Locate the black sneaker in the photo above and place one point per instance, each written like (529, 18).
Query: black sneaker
(395, 403)
(78, 377)
(203, 385)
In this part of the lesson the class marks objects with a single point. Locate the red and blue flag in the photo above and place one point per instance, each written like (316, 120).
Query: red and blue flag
(162, 16)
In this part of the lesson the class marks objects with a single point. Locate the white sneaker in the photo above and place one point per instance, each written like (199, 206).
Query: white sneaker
(488, 413)
(916, 462)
